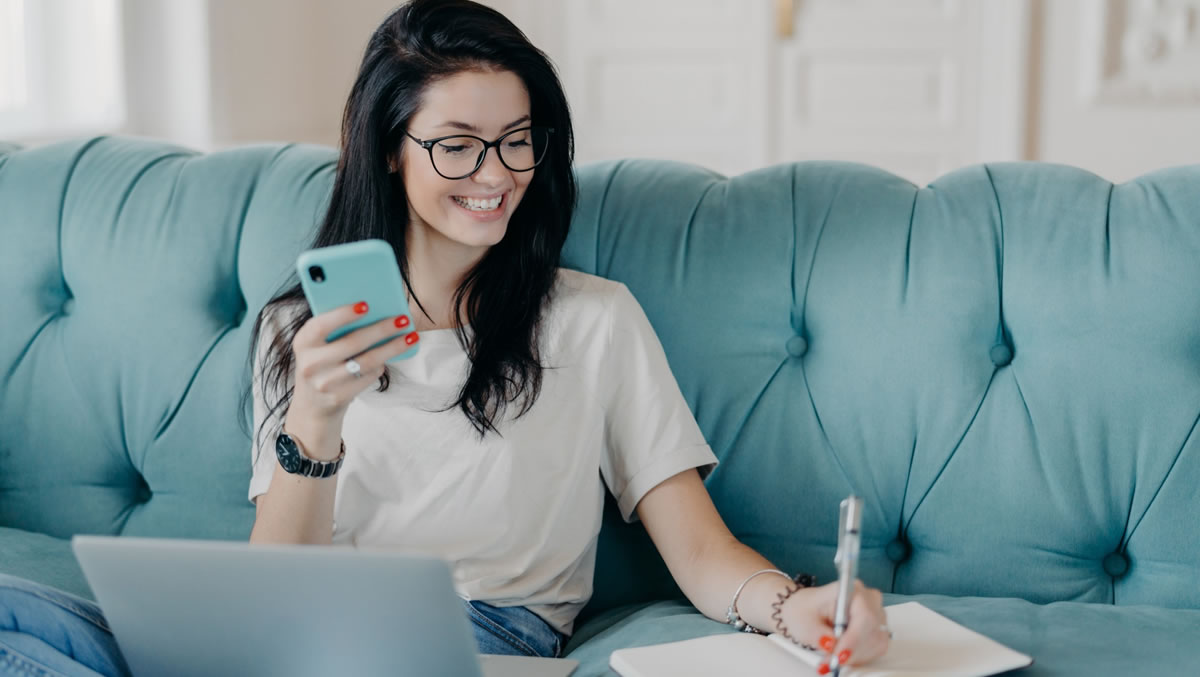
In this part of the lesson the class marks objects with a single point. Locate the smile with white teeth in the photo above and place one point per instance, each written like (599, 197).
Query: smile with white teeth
(479, 205)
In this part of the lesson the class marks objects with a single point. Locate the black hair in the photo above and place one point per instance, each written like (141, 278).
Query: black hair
(502, 296)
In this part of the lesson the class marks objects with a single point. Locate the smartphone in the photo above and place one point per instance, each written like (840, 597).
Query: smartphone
(356, 271)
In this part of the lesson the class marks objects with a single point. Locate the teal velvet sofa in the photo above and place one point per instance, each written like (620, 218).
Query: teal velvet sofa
(1005, 365)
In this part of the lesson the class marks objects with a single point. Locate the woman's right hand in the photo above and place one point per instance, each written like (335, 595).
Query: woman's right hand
(324, 387)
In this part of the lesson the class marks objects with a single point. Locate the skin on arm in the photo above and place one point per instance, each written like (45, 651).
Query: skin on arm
(709, 563)
(297, 509)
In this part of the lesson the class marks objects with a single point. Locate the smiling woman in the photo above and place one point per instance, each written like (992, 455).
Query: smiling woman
(536, 388)
(462, 191)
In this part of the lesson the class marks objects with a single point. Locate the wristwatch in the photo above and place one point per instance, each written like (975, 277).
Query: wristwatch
(293, 459)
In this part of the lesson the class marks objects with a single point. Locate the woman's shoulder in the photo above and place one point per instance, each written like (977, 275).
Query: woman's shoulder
(578, 292)
(583, 310)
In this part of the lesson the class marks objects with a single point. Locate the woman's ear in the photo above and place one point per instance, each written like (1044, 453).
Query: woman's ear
(393, 163)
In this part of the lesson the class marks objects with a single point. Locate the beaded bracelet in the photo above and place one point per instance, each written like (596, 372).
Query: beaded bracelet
(802, 581)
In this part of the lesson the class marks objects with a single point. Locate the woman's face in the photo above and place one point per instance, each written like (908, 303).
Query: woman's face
(465, 212)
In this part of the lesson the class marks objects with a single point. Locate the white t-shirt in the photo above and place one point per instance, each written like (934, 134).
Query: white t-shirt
(517, 515)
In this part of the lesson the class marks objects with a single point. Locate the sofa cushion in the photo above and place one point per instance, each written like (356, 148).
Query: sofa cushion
(128, 302)
(1064, 638)
(45, 559)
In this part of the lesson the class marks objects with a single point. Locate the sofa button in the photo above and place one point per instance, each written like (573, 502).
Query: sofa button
(68, 306)
(1001, 355)
(1116, 564)
(797, 346)
(898, 550)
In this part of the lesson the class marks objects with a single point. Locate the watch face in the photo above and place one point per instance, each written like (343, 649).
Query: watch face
(288, 453)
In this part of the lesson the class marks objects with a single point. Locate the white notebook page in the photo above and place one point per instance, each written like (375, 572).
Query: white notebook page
(924, 643)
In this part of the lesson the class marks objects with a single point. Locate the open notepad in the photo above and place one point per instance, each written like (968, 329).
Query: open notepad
(923, 643)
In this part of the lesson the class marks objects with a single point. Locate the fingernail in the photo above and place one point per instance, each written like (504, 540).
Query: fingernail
(827, 643)
(360, 307)
(402, 321)
(412, 338)
(823, 669)
(844, 657)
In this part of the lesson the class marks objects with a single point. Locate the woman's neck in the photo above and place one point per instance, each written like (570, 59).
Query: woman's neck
(436, 267)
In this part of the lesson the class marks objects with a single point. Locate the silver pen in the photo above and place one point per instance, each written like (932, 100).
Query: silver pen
(846, 560)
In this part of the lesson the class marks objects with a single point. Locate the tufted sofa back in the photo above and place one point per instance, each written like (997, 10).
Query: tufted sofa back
(1005, 364)
(130, 275)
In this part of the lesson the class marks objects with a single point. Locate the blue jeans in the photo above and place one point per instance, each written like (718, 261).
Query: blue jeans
(45, 632)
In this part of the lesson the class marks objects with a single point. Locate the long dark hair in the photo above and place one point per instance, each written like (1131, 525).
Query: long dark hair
(503, 295)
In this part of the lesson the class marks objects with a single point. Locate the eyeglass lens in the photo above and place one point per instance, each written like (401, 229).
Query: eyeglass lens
(458, 156)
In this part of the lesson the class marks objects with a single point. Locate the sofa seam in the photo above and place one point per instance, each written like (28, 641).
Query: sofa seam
(62, 207)
(812, 403)
(908, 247)
(687, 229)
(1166, 476)
(950, 456)
(142, 172)
(795, 246)
(1108, 232)
(753, 405)
(812, 263)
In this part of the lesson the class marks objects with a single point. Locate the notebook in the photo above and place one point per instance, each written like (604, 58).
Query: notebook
(923, 643)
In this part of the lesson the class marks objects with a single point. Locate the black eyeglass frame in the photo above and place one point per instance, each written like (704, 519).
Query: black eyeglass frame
(428, 145)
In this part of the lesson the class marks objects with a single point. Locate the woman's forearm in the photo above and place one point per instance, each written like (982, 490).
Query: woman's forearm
(298, 509)
(715, 574)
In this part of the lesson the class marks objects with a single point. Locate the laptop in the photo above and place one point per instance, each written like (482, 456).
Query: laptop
(180, 607)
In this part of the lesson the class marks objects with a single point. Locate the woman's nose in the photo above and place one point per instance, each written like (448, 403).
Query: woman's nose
(492, 172)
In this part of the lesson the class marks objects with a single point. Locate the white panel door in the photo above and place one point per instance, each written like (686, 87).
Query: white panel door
(680, 79)
(899, 85)
(917, 87)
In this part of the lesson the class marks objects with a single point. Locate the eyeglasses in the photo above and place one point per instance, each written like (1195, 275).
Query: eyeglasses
(461, 155)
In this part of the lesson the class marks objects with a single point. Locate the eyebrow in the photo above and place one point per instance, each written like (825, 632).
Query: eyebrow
(472, 128)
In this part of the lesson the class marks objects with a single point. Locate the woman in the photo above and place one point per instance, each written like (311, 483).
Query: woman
(531, 383)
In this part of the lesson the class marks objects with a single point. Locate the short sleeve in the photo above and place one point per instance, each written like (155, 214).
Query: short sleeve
(262, 444)
(651, 434)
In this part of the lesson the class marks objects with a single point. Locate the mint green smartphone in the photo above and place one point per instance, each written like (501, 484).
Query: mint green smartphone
(352, 272)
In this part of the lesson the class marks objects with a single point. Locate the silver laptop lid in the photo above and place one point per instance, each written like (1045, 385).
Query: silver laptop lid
(207, 608)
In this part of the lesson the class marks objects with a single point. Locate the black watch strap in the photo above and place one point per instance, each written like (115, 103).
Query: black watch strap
(293, 459)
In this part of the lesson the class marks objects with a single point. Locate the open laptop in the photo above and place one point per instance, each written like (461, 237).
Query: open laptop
(206, 608)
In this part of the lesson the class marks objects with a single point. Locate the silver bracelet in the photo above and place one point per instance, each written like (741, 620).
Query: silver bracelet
(731, 615)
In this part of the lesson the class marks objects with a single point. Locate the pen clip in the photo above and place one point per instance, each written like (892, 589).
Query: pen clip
(849, 526)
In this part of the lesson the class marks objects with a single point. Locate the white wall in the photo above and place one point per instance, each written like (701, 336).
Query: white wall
(1109, 85)
(282, 69)
(166, 68)
(61, 75)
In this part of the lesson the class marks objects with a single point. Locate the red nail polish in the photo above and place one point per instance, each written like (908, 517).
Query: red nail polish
(844, 657)
(823, 669)
(412, 338)
(827, 643)
(360, 307)
(402, 322)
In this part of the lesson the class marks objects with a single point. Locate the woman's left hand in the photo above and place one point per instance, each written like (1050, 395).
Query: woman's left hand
(808, 618)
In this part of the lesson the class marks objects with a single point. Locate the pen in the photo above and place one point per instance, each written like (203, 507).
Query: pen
(846, 560)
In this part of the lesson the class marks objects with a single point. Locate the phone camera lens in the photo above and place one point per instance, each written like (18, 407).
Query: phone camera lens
(316, 273)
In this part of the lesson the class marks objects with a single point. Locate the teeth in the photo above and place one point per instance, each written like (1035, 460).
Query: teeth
(479, 205)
